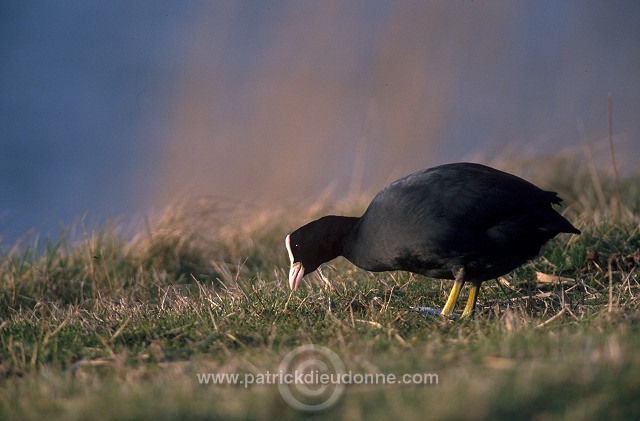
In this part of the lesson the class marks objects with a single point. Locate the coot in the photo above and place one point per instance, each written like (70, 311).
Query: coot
(461, 221)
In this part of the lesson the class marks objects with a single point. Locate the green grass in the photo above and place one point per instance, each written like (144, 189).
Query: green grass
(105, 328)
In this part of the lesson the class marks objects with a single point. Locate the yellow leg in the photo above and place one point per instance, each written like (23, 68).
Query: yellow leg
(453, 296)
(471, 302)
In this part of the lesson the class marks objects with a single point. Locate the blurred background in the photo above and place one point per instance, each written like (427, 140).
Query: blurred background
(118, 109)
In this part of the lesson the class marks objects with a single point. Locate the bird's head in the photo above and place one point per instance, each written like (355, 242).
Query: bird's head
(316, 243)
(303, 256)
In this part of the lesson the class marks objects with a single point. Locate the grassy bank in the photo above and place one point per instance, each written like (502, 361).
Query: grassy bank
(104, 328)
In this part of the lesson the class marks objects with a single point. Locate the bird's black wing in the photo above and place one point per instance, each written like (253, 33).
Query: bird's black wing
(451, 206)
(473, 193)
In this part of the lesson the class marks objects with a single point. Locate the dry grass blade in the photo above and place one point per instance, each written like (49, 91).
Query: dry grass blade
(545, 278)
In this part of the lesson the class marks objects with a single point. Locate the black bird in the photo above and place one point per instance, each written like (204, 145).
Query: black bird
(461, 221)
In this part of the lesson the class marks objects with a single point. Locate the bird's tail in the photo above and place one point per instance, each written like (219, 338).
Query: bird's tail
(556, 223)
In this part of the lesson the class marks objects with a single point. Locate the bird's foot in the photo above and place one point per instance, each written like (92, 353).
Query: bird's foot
(431, 312)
